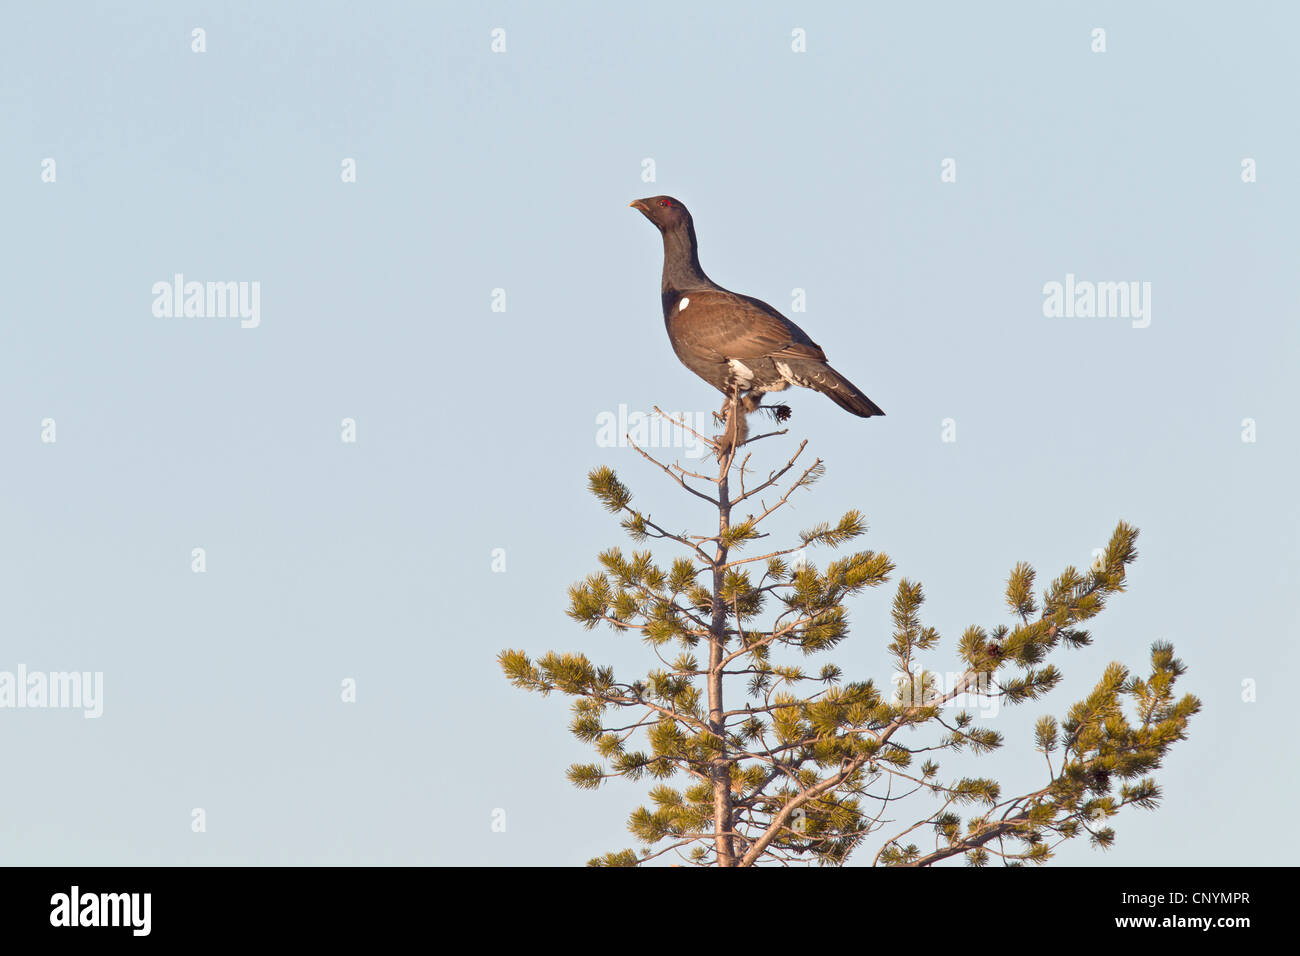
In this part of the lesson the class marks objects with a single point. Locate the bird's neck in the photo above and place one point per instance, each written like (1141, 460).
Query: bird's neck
(682, 272)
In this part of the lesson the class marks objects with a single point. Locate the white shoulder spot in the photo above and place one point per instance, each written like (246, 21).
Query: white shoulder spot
(683, 304)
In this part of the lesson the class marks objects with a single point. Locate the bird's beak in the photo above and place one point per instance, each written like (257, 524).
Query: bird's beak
(639, 204)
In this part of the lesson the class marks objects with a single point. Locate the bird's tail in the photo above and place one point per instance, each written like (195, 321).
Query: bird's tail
(836, 387)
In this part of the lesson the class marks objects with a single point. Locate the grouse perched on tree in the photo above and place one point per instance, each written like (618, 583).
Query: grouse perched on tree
(738, 344)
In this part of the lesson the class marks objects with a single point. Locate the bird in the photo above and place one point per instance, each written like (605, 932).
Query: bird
(738, 344)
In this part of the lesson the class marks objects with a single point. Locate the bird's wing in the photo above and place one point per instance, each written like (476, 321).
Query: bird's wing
(739, 327)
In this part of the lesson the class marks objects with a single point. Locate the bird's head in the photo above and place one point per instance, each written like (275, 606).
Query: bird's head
(664, 211)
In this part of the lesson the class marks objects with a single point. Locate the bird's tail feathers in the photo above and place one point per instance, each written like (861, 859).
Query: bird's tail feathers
(837, 388)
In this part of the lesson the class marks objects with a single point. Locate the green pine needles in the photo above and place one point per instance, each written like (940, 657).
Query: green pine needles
(755, 751)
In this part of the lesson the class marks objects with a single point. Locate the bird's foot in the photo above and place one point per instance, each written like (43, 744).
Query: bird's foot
(732, 416)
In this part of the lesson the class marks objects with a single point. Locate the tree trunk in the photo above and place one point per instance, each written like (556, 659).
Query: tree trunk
(721, 769)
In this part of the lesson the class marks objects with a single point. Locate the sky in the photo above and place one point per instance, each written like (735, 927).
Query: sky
(442, 253)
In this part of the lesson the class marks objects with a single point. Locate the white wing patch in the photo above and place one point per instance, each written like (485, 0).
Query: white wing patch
(683, 304)
(741, 372)
(785, 373)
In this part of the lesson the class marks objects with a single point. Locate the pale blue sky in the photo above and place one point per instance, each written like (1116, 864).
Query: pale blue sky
(476, 428)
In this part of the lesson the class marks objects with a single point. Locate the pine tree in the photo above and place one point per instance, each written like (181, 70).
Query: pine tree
(755, 756)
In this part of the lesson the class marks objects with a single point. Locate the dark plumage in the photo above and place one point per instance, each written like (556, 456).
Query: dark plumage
(738, 344)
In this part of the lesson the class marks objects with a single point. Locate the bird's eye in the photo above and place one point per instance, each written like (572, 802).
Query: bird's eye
(664, 202)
